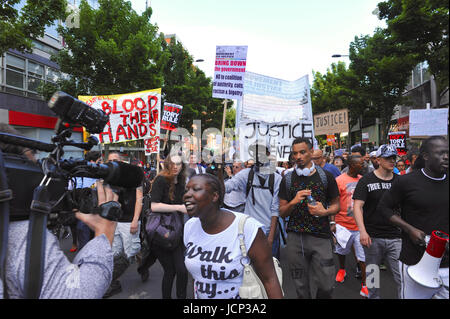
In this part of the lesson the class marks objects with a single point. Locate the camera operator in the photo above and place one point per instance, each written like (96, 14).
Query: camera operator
(88, 276)
(127, 243)
(83, 233)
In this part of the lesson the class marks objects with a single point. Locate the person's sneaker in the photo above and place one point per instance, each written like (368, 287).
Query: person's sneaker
(340, 276)
(364, 292)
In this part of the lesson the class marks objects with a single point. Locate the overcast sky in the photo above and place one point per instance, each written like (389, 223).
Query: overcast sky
(286, 39)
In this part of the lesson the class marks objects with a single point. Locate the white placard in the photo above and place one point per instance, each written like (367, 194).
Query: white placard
(278, 136)
(272, 100)
(229, 71)
(428, 122)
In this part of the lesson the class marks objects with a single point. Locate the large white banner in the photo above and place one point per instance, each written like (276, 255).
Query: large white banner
(428, 122)
(277, 136)
(229, 72)
(273, 100)
(274, 112)
(132, 116)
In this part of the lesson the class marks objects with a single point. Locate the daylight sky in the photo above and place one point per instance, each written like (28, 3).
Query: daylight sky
(286, 39)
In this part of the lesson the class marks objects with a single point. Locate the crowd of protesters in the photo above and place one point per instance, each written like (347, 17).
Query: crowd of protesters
(373, 207)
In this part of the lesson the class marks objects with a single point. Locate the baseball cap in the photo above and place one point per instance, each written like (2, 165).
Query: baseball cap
(386, 150)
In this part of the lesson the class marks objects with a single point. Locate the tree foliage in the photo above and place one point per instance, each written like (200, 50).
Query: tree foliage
(335, 90)
(421, 27)
(187, 85)
(114, 51)
(383, 68)
(19, 27)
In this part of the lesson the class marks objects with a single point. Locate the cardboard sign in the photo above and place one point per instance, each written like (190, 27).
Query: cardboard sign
(331, 122)
(132, 116)
(229, 72)
(171, 116)
(398, 140)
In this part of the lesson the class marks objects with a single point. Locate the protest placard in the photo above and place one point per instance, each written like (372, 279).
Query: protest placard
(171, 116)
(331, 122)
(229, 72)
(398, 140)
(132, 116)
(272, 100)
(151, 145)
(428, 122)
(278, 136)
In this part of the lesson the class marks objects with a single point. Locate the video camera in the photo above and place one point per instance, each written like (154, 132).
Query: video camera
(24, 176)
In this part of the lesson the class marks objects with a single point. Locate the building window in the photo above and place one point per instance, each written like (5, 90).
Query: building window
(23, 76)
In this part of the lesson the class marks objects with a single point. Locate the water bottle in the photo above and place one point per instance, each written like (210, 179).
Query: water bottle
(311, 201)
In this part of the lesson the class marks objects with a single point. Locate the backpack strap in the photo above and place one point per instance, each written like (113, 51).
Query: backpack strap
(271, 182)
(323, 176)
(288, 183)
(251, 175)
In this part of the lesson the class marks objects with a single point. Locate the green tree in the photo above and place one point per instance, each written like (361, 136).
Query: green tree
(337, 89)
(421, 27)
(19, 27)
(383, 68)
(113, 51)
(187, 85)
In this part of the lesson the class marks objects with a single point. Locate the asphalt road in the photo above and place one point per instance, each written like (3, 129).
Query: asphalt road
(133, 288)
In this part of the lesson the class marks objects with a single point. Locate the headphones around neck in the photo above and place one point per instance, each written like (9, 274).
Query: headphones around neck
(305, 171)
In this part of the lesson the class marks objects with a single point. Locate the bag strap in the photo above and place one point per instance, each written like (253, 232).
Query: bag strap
(5, 197)
(241, 237)
(36, 241)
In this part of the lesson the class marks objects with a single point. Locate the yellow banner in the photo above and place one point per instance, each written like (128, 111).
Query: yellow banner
(132, 116)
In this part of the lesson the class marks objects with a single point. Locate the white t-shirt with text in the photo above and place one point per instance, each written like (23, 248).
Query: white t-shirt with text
(214, 260)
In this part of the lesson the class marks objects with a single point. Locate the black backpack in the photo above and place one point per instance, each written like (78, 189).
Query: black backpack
(250, 185)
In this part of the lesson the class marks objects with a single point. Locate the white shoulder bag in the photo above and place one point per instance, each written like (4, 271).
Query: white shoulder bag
(252, 287)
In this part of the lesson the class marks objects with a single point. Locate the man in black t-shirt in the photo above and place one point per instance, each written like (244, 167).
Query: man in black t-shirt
(380, 239)
(423, 198)
(309, 248)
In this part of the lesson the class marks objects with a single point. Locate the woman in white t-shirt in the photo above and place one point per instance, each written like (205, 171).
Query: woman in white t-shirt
(212, 246)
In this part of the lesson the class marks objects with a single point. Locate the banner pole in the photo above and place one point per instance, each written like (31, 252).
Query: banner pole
(225, 102)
